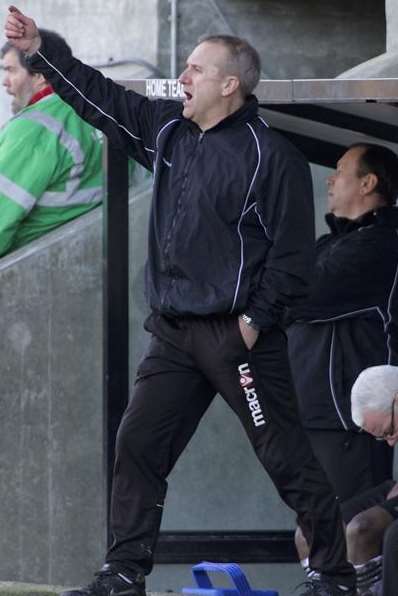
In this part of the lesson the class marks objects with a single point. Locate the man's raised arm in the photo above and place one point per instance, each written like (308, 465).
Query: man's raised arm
(129, 120)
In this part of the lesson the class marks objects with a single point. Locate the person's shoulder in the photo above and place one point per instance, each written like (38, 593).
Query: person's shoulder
(41, 123)
(379, 237)
(17, 124)
(372, 242)
(18, 138)
(384, 227)
(275, 142)
(169, 110)
(324, 239)
(61, 113)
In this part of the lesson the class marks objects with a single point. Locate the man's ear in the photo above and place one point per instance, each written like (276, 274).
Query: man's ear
(39, 80)
(230, 85)
(368, 183)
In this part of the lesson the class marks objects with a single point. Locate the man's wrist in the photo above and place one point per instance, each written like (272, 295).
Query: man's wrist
(36, 45)
(249, 321)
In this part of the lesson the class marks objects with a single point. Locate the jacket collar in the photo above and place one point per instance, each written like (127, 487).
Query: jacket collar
(245, 113)
(382, 216)
(48, 90)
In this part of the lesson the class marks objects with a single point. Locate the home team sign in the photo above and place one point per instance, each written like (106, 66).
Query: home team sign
(164, 88)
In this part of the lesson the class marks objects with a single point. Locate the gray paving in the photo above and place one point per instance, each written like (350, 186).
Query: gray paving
(25, 589)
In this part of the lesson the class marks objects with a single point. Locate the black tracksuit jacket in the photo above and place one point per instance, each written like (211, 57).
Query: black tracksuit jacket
(231, 226)
(349, 321)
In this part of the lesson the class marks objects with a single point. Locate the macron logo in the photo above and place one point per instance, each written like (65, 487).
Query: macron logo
(246, 381)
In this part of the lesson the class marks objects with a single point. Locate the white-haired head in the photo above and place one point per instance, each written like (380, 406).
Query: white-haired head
(374, 390)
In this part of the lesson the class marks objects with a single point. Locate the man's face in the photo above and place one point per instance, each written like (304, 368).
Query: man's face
(17, 81)
(382, 425)
(344, 185)
(202, 81)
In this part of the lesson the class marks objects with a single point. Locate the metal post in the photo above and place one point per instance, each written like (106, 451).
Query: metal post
(115, 304)
(173, 38)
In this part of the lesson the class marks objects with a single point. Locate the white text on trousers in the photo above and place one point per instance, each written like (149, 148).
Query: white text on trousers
(246, 380)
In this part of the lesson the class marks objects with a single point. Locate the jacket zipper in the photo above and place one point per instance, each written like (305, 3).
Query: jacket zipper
(176, 214)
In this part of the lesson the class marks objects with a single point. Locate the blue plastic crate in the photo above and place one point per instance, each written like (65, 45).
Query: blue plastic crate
(233, 571)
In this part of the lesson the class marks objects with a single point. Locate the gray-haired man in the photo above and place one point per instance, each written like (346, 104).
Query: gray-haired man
(374, 406)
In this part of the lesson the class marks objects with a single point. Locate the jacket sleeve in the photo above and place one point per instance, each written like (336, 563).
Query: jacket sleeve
(286, 212)
(356, 275)
(129, 120)
(11, 215)
(25, 172)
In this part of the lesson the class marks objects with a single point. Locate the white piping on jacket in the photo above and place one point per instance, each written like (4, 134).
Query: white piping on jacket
(389, 312)
(348, 314)
(92, 103)
(331, 381)
(250, 207)
(157, 141)
(263, 225)
(263, 121)
(242, 215)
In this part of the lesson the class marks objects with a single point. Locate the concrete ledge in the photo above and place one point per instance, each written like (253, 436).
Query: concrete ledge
(23, 589)
(384, 66)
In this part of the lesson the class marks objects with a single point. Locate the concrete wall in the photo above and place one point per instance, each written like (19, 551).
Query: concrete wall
(385, 65)
(392, 25)
(295, 39)
(52, 490)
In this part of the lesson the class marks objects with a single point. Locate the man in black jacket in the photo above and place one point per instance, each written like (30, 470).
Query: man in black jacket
(230, 246)
(346, 324)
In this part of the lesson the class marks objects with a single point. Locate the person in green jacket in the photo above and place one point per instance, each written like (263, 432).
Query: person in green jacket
(50, 159)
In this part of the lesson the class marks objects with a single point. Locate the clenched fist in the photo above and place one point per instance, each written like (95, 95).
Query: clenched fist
(21, 31)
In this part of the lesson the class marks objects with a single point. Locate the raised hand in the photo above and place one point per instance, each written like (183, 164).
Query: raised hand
(21, 31)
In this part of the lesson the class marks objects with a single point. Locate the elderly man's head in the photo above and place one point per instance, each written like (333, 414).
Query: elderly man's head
(374, 402)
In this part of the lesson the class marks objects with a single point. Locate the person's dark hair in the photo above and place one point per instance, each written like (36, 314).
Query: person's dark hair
(7, 47)
(383, 163)
(244, 60)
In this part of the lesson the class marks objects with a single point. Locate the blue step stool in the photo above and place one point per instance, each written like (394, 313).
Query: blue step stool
(233, 571)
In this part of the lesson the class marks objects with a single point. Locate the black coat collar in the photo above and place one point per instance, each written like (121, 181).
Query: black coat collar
(381, 216)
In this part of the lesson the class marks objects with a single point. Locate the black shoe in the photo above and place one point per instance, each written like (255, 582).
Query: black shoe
(324, 587)
(110, 582)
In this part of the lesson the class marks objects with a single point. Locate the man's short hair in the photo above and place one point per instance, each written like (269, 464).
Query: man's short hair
(244, 60)
(7, 47)
(381, 161)
(374, 389)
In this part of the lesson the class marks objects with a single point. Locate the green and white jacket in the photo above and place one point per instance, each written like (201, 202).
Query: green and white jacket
(50, 171)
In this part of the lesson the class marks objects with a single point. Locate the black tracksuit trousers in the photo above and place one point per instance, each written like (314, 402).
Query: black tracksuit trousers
(189, 360)
(390, 560)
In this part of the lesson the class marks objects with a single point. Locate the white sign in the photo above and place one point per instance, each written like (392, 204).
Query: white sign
(168, 88)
